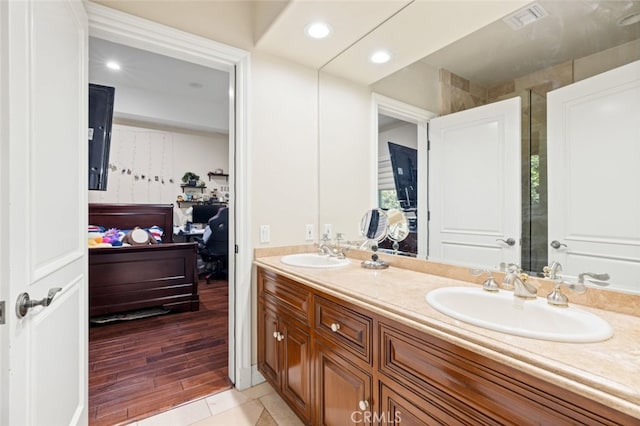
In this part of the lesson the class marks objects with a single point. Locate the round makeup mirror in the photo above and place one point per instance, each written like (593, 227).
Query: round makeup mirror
(398, 227)
(374, 227)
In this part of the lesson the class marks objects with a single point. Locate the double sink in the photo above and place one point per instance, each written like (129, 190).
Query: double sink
(500, 311)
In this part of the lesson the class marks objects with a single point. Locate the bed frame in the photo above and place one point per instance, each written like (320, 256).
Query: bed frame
(137, 277)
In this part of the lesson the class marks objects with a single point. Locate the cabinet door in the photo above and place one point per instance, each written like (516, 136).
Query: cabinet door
(404, 407)
(344, 391)
(268, 344)
(296, 366)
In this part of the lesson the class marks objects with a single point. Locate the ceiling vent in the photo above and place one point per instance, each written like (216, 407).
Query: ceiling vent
(526, 16)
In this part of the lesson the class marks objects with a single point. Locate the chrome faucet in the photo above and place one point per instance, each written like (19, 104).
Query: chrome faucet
(326, 249)
(552, 271)
(556, 297)
(518, 281)
(600, 278)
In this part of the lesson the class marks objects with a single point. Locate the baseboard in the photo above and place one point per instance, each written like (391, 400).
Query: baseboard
(256, 376)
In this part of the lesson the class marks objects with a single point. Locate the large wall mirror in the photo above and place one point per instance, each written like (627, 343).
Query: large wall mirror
(567, 44)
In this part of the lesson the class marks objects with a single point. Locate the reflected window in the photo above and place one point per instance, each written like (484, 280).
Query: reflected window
(388, 199)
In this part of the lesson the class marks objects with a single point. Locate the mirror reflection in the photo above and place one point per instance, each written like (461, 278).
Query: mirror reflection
(571, 43)
(374, 226)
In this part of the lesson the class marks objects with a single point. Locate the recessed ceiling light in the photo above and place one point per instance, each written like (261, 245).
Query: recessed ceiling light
(196, 85)
(380, 57)
(318, 30)
(630, 19)
(113, 65)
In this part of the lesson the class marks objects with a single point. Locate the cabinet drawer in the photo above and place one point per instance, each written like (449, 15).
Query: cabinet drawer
(480, 386)
(400, 406)
(343, 326)
(285, 292)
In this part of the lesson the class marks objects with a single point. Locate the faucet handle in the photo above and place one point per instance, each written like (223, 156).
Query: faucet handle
(598, 279)
(557, 298)
(514, 267)
(325, 237)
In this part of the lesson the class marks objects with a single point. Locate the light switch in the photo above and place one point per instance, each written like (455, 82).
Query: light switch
(265, 233)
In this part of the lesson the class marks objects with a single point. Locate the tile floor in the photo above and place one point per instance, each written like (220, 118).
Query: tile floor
(257, 406)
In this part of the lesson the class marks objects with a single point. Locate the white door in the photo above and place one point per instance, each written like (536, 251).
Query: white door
(474, 186)
(594, 178)
(43, 228)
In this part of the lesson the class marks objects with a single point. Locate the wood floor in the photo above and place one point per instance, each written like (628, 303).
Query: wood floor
(142, 367)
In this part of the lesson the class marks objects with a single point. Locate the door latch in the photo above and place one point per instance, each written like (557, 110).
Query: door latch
(2, 312)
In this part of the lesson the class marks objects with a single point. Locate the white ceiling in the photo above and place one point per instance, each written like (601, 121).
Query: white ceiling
(573, 29)
(157, 73)
(411, 30)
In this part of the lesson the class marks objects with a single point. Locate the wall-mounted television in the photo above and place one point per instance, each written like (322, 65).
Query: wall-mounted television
(100, 119)
(404, 162)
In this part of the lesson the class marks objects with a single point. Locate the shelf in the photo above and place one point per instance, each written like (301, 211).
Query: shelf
(200, 202)
(201, 188)
(217, 175)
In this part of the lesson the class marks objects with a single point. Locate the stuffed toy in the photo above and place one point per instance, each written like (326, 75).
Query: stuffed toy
(139, 237)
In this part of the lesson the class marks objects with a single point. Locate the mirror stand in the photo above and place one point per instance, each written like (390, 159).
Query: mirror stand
(374, 262)
(374, 227)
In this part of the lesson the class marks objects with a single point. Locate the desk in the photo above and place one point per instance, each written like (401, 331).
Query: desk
(179, 231)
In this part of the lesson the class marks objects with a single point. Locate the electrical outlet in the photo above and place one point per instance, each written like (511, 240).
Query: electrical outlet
(328, 230)
(265, 233)
(308, 233)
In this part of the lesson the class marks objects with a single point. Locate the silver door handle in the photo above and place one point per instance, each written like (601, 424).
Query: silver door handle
(557, 244)
(508, 241)
(24, 302)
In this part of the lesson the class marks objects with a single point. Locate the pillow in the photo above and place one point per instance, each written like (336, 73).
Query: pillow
(156, 232)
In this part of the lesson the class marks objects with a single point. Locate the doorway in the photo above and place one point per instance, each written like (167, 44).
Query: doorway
(111, 25)
(412, 119)
(170, 119)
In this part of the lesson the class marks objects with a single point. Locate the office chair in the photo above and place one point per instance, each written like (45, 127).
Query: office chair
(214, 252)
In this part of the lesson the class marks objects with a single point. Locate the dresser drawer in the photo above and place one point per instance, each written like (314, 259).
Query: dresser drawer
(285, 293)
(343, 326)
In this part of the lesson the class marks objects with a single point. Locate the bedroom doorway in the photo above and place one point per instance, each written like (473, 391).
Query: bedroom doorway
(108, 25)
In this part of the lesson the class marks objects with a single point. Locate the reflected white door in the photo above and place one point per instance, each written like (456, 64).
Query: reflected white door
(44, 181)
(474, 186)
(594, 178)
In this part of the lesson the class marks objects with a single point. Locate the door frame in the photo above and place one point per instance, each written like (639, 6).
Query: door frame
(420, 117)
(120, 27)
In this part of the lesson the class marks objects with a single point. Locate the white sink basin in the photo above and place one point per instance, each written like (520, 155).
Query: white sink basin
(312, 260)
(528, 318)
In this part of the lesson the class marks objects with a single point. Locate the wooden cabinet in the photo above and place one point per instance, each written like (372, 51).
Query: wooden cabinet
(338, 364)
(284, 342)
(342, 356)
(344, 391)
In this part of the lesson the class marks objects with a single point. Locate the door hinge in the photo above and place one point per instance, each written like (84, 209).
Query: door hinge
(428, 216)
(237, 249)
(428, 145)
(2, 312)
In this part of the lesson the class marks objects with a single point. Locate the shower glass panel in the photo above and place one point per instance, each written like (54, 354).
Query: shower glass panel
(534, 181)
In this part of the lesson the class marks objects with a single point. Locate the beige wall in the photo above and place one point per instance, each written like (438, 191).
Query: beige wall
(606, 60)
(284, 143)
(415, 85)
(345, 154)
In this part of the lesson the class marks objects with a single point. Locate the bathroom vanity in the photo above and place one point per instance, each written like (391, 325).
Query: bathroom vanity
(355, 346)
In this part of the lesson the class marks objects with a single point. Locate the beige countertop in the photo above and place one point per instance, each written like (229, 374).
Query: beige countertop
(608, 372)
